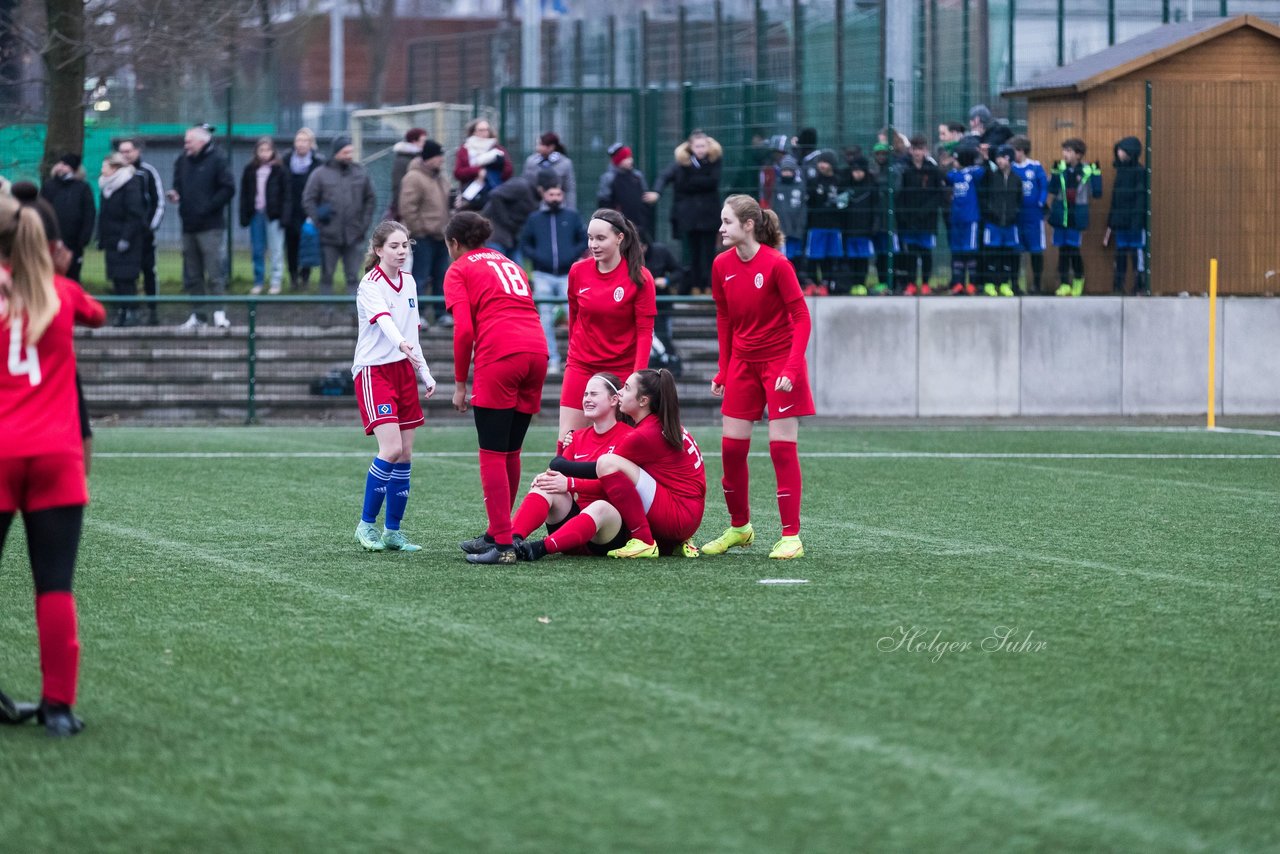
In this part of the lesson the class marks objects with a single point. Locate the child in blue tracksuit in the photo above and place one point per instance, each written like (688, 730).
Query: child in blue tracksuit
(1127, 221)
(965, 219)
(1071, 186)
(1035, 188)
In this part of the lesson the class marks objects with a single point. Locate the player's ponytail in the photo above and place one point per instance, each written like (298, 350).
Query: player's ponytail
(765, 224)
(381, 235)
(24, 245)
(631, 248)
(664, 402)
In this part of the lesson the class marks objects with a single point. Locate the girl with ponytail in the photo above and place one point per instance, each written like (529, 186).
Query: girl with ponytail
(41, 453)
(762, 323)
(612, 307)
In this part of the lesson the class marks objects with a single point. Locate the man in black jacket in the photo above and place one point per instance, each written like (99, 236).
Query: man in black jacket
(202, 188)
(153, 196)
(72, 201)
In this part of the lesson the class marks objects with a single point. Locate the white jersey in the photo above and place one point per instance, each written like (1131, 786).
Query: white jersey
(380, 296)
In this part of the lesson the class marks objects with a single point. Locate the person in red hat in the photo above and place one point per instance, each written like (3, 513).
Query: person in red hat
(623, 188)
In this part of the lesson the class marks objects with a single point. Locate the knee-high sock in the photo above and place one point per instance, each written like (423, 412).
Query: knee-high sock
(497, 496)
(375, 489)
(786, 466)
(59, 645)
(397, 495)
(623, 496)
(736, 480)
(513, 475)
(578, 531)
(531, 515)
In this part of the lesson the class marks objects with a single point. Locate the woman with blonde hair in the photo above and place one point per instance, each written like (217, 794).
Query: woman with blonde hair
(121, 230)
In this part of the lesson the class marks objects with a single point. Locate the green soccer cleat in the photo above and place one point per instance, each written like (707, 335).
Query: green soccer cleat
(1077, 287)
(636, 548)
(396, 541)
(368, 537)
(1064, 290)
(859, 290)
(732, 537)
(787, 548)
(688, 549)
(990, 289)
(1006, 290)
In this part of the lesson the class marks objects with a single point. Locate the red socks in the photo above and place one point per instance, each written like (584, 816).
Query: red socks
(736, 480)
(59, 646)
(532, 513)
(575, 533)
(786, 467)
(497, 494)
(513, 475)
(623, 496)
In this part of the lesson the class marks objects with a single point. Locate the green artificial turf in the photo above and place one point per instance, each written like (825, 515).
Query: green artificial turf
(253, 682)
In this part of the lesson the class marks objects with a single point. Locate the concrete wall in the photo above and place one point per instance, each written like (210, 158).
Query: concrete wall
(900, 356)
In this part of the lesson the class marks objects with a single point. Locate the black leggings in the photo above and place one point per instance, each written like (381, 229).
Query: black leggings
(1070, 264)
(501, 430)
(702, 251)
(53, 538)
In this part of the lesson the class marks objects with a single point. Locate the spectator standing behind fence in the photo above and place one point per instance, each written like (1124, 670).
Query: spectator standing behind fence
(403, 154)
(1035, 185)
(887, 178)
(202, 188)
(264, 192)
(508, 208)
(1000, 198)
(153, 195)
(770, 166)
(424, 210)
(339, 199)
(549, 154)
(1071, 186)
(963, 224)
(695, 207)
(1127, 220)
(919, 198)
(860, 198)
(665, 269)
(824, 243)
(72, 200)
(623, 189)
(949, 136)
(303, 160)
(120, 231)
(790, 205)
(553, 238)
(480, 165)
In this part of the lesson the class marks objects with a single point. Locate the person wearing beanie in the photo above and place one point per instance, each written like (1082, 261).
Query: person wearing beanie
(202, 188)
(920, 197)
(775, 151)
(549, 155)
(72, 200)
(979, 119)
(788, 202)
(339, 199)
(424, 210)
(402, 154)
(860, 198)
(1000, 200)
(623, 188)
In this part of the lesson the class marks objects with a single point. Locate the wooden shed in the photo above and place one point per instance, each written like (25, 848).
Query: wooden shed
(1214, 133)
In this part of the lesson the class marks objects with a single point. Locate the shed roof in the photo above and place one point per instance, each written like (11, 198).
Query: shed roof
(1137, 53)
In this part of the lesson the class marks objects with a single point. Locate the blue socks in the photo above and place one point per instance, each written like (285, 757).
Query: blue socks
(397, 494)
(375, 488)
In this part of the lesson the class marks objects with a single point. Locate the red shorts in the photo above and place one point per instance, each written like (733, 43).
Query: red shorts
(31, 484)
(577, 376)
(388, 394)
(512, 382)
(673, 519)
(749, 388)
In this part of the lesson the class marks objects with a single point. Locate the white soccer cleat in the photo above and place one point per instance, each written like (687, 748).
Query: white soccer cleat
(220, 320)
(192, 322)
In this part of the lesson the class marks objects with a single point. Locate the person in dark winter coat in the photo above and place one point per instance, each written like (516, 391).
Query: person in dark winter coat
(1072, 186)
(264, 193)
(402, 155)
(789, 204)
(550, 154)
(202, 187)
(921, 194)
(1127, 221)
(552, 239)
(153, 195)
(424, 210)
(339, 199)
(72, 200)
(623, 188)
(824, 243)
(301, 162)
(694, 177)
(121, 228)
(860, 198)
(1000, 200)
(508, 207)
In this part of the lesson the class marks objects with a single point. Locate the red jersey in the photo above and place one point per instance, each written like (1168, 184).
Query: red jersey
(587, 445)
(610, 319)
(492, 308)
(39, 410)
(761, 314)
(679, 470)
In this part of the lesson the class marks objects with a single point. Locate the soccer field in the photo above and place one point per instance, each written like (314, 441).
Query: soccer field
(1009, 639)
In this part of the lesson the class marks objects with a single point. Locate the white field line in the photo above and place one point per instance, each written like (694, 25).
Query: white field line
(738, 720)
(1245, 492)
(840, 455)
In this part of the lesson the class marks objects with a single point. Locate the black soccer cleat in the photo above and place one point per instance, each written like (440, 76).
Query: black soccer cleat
(531, 549)
(502, 555)
(479, 545)
(15, 714)
(58, 720)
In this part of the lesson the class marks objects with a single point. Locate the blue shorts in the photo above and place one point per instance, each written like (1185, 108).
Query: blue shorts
(918, 239)
(794, 247)
(859, 247)
(963, 236)
(884, 240)
(1066, 237)
(824, 243)
(1135, 239)
(1031, 234)
(1000, 236)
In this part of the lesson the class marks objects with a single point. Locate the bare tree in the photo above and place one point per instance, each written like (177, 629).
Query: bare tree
(377, 26)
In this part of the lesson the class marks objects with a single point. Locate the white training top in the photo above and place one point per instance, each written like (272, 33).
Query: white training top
(388, 313)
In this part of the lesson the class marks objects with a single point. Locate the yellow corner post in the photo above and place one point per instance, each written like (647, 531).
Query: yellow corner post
(1213, 338)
